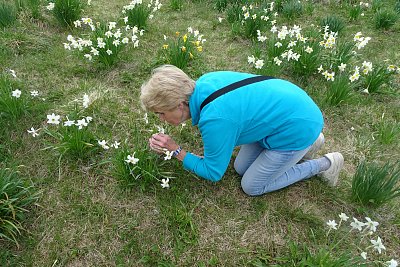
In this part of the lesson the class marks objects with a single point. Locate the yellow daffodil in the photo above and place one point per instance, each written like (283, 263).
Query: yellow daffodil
(185, 38)
(177, 34)
(190, 55)
(200, 48)
(165, 46)
(183, 49)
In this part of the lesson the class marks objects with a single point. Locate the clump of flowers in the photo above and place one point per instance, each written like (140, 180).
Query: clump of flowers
(182, 48)
(255, 18)
(14, 100)
(322, 53)
(70, 133)
(137, 13)
(370, 245)
(140, 168)
(104, 42)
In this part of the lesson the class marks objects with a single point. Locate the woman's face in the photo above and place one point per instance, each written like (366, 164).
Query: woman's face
(173, 117)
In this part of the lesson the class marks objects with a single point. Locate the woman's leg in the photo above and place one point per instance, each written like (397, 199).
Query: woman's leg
(273, 170)
(246, 156)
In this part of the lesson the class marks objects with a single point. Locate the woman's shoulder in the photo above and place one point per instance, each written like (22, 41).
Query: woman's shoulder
(223, 76)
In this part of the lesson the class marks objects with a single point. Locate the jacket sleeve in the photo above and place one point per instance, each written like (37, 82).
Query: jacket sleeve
(219, 138)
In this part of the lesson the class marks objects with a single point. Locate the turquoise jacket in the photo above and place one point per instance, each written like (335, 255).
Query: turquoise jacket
(275, 113)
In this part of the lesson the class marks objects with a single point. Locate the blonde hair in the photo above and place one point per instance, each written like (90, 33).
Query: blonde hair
(167, 87)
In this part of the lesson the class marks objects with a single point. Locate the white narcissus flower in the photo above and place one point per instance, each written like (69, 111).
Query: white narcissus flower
(85, 101)
(112, 25)
(330, 76)
(50, 6)
(371, 224)
(392, 263)
(88, 56)
(251, 59)
(81, 123)
(377, 244)
(77, 23)
(365, 91)
(108, 34)
(165, 183)
(342, 67)
(53, 119)
(277, 61)
(364, 255)
(16, 93)
(357, 224)
(33, 132)
(117, 34)
(343, 216)
(259, 64)
(103, 144)
(109, 52)
(34, 93)
(116, 42)
(94, 51)
(69, 123)
(89, 119)
(320, 69)
(309, 50)
(160, 129)
(220, 19)
(12, 72)
(125, 40)
(131, 159)
(332, 224)
(115, 144)
(168, 155)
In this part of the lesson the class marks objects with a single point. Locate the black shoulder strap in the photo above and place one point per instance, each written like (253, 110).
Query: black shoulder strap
(232, 87)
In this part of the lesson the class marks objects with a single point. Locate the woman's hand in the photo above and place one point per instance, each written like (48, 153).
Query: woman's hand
(162, 142)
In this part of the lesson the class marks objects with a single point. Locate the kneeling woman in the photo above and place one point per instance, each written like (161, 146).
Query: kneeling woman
(276, 123)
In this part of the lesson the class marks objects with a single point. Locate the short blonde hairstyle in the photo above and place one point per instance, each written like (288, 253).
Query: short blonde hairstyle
(167, 87)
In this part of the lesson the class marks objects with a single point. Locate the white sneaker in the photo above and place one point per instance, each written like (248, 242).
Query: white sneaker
(315, 147)
(331, 175)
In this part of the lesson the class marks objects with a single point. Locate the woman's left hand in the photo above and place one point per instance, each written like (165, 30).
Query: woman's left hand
(162, 142)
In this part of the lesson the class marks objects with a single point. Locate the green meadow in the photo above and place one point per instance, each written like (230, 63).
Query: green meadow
(79, 185)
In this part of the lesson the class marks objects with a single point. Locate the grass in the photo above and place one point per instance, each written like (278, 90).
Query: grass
(87, 216)
(375, 185)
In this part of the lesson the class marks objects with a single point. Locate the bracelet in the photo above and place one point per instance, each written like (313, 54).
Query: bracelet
(177, 151)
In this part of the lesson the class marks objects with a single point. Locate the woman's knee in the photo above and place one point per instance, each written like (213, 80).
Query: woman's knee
(250, 189)
(239, 167)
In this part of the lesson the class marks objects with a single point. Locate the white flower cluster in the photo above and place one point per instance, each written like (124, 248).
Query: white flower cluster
(393, 68)
(108, 44)
(17, 93)
(367, 228)
(291, 35)
(329, 38)
(105, 146)
(55, 119)
(153, 5)
(360, 40)
(196, 34)
(251, 12)
(258, 63)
